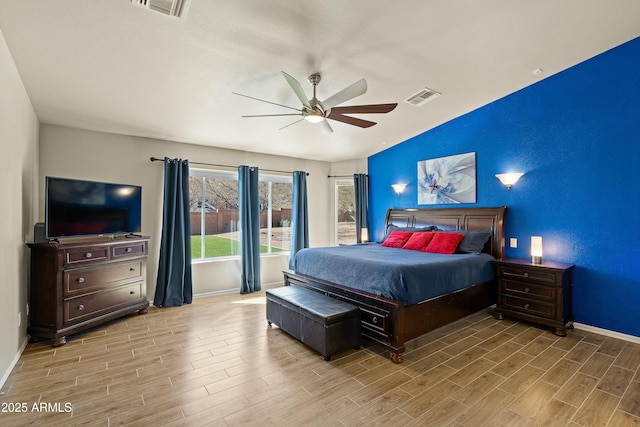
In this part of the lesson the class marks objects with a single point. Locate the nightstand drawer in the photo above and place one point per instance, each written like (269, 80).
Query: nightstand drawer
(523, 305)
(528, 275)
(528, 290)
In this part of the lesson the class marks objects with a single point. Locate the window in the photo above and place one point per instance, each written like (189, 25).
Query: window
(345, 213)
(214, 214)
(276, 200)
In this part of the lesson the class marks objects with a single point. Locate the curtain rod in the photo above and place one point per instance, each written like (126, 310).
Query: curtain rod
(155, 159)
(342, 176)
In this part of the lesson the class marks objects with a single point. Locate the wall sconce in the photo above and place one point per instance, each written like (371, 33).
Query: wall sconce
(364, 235)
(508, 179)
(398, 188)
(536, 249)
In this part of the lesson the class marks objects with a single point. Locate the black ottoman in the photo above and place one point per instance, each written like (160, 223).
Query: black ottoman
(323, 323)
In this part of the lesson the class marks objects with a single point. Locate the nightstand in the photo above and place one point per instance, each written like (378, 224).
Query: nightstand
(539, 293)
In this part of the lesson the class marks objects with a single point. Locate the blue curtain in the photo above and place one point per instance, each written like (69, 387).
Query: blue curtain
(360, 191)
(174, 287)
(299, 216)
(249, 206)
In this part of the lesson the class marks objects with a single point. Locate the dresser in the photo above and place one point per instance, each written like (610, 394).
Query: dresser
(539, 293)
(80, 284)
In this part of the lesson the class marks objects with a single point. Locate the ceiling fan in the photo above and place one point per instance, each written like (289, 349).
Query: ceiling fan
(315, 111)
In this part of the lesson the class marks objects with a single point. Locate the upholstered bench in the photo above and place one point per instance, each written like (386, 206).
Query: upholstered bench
(323, 323)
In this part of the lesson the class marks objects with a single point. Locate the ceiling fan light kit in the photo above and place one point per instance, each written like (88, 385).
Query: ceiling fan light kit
(314, 118)
(315, 111)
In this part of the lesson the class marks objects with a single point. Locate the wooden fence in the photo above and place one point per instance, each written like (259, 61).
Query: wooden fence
(227, 221)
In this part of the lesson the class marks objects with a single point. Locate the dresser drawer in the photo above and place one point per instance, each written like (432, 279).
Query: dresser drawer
(529, 275)
(91, 305)
(529, 290)
(523, 305)
(129, 250)
(94, 278)
(86, 255)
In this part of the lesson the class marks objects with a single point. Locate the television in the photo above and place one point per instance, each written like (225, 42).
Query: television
(75, 208)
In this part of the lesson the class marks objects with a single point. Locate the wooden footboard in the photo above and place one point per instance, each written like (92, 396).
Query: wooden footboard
(389, 322)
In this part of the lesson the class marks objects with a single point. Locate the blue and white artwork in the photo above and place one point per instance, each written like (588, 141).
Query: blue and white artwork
(447, 180)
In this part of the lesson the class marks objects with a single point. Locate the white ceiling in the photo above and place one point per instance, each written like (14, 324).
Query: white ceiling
(111, 66)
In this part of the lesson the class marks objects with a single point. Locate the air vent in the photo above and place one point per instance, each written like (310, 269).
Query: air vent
(174, 8)
(422, 97)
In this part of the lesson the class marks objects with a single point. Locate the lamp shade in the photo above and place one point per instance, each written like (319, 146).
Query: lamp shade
(364, 235)
(398, 188)
(508, 179)
(536, 249)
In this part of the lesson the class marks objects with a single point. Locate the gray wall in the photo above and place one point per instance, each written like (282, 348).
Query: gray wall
(82, 154)
(19, 178)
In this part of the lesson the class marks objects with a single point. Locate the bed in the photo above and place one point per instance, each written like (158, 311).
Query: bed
(398, 317)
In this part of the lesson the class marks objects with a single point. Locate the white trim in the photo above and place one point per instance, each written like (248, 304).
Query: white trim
(232, 291)
(13, 363)
(606, 332)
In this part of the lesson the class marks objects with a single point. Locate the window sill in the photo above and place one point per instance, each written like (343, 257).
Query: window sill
(236, 258)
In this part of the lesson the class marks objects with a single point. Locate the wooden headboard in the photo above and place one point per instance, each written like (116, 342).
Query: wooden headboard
(456, 219)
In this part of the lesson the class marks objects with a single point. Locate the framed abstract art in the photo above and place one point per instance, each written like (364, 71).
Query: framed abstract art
(447, 180)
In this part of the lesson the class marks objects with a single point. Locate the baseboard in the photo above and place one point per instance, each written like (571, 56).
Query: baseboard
(236, 291)
(606, 332)
(13, 363)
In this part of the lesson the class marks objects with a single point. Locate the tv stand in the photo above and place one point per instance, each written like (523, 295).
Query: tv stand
(78, 285)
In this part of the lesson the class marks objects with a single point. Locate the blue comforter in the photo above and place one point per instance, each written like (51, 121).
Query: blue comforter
(400, 274)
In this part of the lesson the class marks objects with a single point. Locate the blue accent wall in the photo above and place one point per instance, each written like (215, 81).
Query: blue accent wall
(576, 136)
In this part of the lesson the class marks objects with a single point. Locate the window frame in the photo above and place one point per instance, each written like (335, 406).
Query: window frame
(340, 182)
(204, 173)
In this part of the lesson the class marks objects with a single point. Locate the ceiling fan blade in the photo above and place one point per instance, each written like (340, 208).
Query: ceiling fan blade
(273, 115)
(350, 120)
(297, 89)
(356, 89)
(365, 109)
(326, 127)
(262, 100)
(297, 121)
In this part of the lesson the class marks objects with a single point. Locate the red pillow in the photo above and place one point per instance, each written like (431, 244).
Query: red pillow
(419, 241)
(396, 239)
(444, 243)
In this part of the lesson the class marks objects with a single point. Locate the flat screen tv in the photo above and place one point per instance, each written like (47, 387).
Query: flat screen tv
(75, 208)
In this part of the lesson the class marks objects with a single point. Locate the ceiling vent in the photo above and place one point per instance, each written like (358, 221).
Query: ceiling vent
(422, 97)
(173, 8)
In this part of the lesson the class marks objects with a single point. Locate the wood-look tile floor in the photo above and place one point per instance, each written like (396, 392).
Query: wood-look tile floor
(217, 363)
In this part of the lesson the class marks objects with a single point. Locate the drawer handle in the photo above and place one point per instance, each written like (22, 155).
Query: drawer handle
(525, 275)
(526, 290)
(80, 279)
(132, 292)
(88, 255)
(80, 307)
(132, 269)
(375, 319)
(129, 249)
(526, 306)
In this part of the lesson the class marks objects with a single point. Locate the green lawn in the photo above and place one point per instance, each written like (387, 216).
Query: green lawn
(215, 246)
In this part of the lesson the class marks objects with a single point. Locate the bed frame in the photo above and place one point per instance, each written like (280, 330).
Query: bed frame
(389, 322)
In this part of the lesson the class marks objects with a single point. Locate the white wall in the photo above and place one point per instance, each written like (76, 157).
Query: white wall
(19, 189)
(82, 154)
